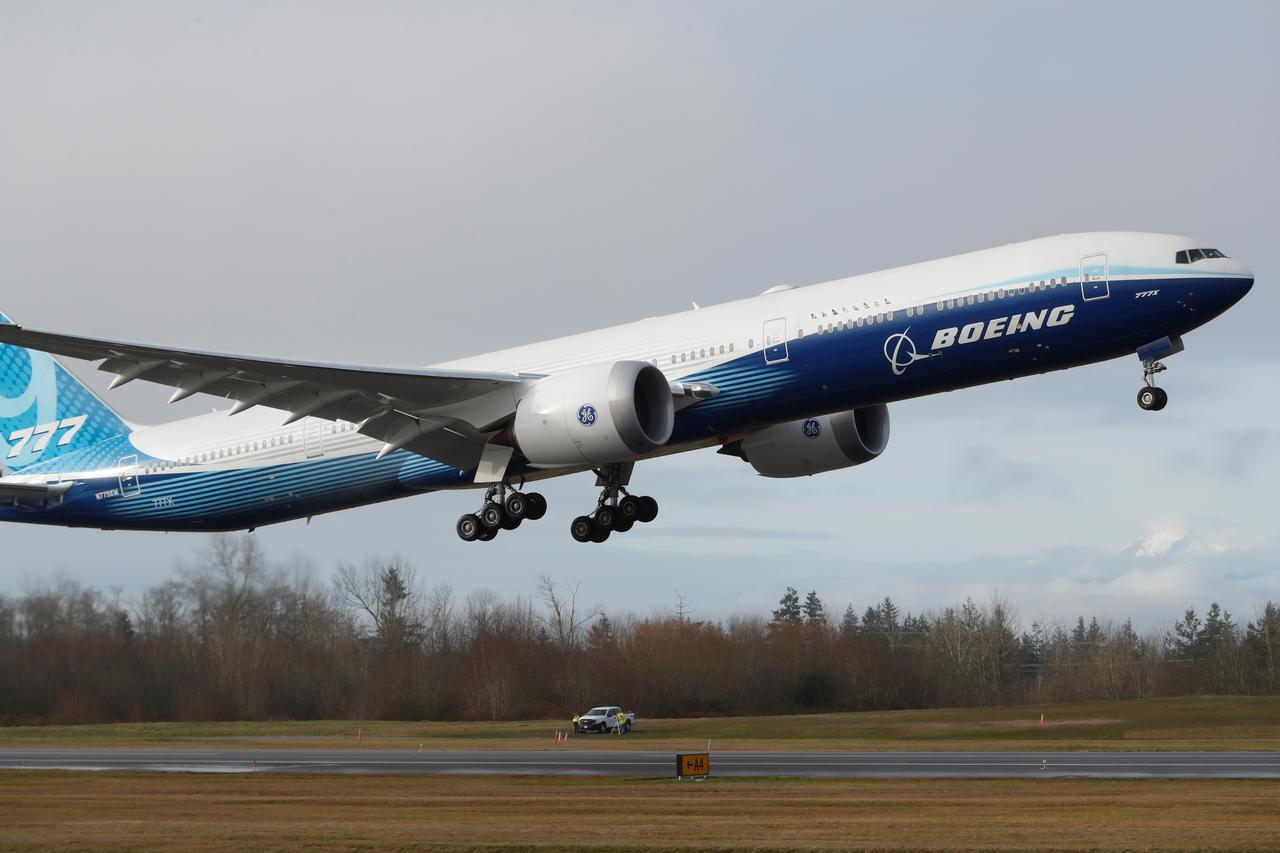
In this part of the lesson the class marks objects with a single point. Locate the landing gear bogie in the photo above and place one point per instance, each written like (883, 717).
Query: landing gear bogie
(503, 509)
(616, 510)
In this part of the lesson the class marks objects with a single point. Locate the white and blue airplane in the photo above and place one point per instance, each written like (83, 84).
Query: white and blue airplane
(795, 382)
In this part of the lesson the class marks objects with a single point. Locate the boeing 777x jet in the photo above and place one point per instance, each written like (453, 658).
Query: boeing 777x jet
(794, 382)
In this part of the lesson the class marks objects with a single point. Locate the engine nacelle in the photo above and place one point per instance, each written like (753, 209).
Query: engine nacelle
(601, 413)
(814, 445)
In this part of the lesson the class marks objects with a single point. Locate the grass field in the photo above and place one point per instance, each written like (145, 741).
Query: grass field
(58, 811)
(1218, 722)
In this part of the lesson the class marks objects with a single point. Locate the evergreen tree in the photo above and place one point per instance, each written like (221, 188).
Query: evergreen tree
(871, 621)
(814, 612)
(1184, 641)
(916, 626)
(1094, 635)
(789, 607)
(1218, 629)
(889, 615)
(1262, 642)
(849, 622)
(601, 636)
(1078, 635)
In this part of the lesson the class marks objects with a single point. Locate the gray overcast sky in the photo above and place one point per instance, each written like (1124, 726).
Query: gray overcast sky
(408, 183)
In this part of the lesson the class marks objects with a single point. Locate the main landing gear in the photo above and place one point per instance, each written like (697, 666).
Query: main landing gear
(504, 509)
(1151, 398)
(616, 510)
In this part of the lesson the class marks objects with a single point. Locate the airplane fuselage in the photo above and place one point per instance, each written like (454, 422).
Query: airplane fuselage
(788, 354)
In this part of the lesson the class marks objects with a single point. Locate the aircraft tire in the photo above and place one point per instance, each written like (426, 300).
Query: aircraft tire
(582, 529)
(648, 509)
(492, 515)
(469, 527)
(629, 508)
(517, 506)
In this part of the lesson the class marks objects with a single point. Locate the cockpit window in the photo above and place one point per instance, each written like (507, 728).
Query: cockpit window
(1190, 256)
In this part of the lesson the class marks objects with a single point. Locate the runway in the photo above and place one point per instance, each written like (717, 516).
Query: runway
(1098, 765)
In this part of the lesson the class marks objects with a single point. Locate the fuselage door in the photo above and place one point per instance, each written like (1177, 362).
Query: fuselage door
(313, 437)
(775, 341)
(1094, 282)
(129, 484)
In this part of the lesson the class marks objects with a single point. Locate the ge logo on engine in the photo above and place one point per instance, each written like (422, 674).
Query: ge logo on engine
(587, 415)
(812, 429)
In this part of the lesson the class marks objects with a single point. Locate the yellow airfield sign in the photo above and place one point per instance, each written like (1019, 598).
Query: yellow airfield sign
(693, 764)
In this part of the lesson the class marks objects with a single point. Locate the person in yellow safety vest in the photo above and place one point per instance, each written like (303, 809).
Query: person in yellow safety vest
(622, 719)
(575, 722)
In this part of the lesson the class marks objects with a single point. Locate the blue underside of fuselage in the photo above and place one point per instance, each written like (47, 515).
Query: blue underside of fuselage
(830, 372)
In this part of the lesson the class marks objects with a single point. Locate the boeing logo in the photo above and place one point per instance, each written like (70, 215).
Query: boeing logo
(900, 350)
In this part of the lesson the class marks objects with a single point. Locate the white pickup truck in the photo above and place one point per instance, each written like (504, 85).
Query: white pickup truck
(604, 720)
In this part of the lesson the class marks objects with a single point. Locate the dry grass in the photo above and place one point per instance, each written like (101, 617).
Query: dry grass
(1217, 722)
(57, 811)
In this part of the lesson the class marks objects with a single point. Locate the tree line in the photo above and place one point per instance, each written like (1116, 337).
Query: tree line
(232, 638)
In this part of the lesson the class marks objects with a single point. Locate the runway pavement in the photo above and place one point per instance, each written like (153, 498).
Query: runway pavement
(1108, 765)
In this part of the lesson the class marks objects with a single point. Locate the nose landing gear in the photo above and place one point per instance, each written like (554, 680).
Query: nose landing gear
(502, 510)
(616, 511)
(1151, 398)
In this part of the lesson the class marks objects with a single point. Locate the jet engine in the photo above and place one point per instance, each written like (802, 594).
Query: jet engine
(598, 414)
(814, 445)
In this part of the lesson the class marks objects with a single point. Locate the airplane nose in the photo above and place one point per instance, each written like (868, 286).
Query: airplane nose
(1239, 285)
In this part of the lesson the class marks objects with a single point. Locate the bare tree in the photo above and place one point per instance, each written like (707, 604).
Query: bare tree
(388, 594)
(566, 624)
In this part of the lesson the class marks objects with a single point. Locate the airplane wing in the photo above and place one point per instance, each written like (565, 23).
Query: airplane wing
(447, 415)
(30, 493)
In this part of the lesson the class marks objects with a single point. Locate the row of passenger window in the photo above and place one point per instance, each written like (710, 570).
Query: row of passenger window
(238, 450)
(942, 305)
(849, 323)
(1001, 293)
(257, 446)
(709, 352)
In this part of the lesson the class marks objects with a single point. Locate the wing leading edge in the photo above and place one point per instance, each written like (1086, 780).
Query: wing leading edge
(448, 415)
